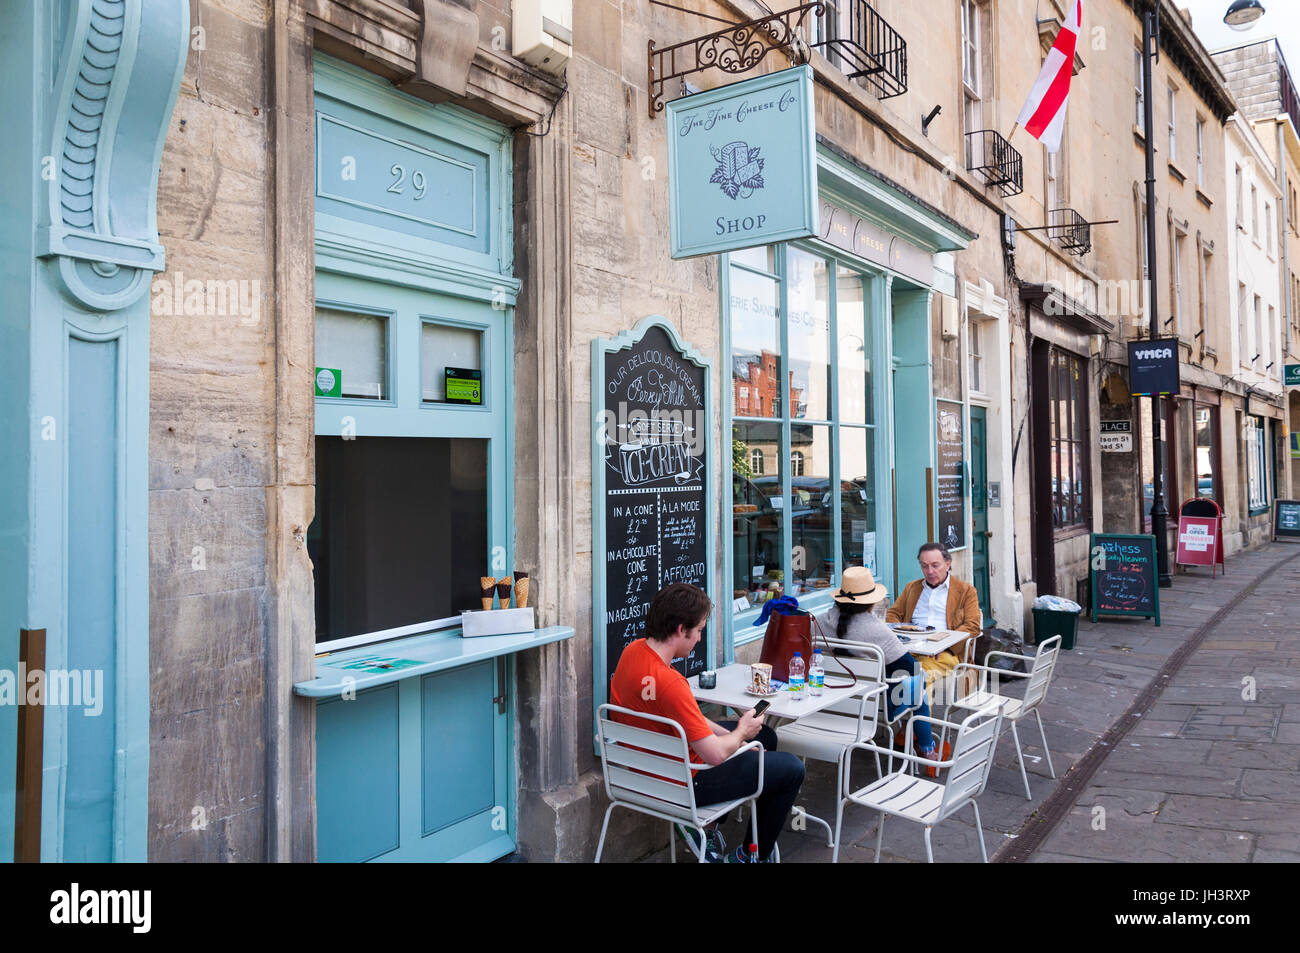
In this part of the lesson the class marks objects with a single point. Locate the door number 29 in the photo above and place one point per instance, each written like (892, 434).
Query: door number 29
(417, 181)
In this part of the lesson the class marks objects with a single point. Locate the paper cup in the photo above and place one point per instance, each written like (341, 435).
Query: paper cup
(760, 678)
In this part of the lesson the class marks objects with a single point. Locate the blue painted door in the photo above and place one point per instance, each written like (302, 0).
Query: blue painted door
(417, 770)
(979, 498)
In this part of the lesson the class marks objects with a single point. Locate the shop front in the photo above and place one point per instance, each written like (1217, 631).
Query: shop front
(1064, 408)
(829, 401)
(414, 477)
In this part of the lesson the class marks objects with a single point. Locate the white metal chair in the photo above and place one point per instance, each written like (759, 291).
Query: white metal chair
(1038, 678)
(929, 802)
(868, 663)
(826, 736)
(649, 772)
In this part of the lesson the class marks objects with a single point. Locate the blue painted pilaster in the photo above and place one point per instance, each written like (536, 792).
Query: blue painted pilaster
(94, 82)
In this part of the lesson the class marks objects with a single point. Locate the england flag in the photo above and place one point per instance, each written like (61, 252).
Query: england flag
(1044, 114)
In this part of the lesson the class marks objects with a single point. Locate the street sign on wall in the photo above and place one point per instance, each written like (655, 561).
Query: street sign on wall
(1292, 375)
(742, 165)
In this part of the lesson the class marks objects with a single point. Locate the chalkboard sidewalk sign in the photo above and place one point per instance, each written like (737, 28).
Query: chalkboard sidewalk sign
(652, 512)
(1286, 519)
(1124, 575)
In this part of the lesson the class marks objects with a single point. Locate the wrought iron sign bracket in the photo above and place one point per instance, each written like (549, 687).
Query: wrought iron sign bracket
(736, 49)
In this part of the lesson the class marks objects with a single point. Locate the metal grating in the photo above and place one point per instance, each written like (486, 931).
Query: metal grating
(995, 160)
(1070, 230)
(858, 40)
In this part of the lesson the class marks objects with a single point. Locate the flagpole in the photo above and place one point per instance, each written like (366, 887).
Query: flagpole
(1014, 126)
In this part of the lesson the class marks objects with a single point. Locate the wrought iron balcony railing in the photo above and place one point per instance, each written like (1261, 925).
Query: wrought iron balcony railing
(995, 160)
(860, 42)
(1070, 230)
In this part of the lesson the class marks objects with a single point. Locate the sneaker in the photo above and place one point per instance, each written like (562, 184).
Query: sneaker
(715, 847)
(743, 856)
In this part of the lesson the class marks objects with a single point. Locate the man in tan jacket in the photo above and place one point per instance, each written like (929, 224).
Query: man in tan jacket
(939, 599)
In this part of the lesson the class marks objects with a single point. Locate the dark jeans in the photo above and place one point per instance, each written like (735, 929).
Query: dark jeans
(906, 665)
(782, 777)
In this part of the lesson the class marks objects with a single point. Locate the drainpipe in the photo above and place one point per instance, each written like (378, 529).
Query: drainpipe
(1287, 303)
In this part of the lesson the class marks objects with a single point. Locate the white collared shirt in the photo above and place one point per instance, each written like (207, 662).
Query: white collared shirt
(932, 606)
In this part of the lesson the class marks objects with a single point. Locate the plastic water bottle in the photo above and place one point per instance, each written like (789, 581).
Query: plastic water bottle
(816, 674)
(796, 676)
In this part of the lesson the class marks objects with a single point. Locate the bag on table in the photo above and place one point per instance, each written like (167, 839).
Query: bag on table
(789, 630)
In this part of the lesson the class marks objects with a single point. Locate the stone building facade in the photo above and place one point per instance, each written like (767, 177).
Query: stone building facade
(286, 202)
(1265, 90)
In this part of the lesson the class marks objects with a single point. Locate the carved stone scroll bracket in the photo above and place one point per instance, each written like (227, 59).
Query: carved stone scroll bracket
(117, 87)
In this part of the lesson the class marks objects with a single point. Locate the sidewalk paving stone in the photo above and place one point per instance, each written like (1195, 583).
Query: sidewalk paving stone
(1203, 775)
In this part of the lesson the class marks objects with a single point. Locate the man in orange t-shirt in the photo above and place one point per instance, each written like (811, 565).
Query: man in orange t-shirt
(646, 681)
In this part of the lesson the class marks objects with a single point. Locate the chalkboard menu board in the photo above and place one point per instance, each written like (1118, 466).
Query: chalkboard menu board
(951, 477)
(1124, 576)
(652, 509)
(1286, 519)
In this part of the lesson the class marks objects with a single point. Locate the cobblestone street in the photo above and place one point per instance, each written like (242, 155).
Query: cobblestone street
(1205, 775)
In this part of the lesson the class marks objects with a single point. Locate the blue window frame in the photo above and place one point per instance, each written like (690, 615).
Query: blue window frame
(414, 498)
(803, 331)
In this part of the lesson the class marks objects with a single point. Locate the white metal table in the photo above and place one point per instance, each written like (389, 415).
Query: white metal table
(733, 679)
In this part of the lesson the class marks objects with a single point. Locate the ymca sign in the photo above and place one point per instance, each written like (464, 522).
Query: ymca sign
(1153, 367)
(742, 165)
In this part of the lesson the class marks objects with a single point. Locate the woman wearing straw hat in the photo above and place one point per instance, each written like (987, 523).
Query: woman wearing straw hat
(851, 618)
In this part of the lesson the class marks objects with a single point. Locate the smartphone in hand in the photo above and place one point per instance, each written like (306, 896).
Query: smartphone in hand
(761, 707)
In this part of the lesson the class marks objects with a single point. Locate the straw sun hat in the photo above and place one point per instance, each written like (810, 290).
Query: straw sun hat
(858, 587)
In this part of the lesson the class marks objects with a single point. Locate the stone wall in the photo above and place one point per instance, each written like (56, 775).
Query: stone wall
(231, 472)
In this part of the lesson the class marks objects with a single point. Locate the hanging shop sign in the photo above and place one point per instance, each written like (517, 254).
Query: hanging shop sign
(742, 165)
(861, 237)
(1291, 374)
(1153, 367)
(951, 474)
(652, 506)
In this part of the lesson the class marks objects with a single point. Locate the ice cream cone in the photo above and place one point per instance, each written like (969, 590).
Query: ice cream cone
(503, 591)
(487, 584)
(521, 589)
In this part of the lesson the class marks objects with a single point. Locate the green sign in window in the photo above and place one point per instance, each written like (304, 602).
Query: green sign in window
(329, 382)
(464, 385)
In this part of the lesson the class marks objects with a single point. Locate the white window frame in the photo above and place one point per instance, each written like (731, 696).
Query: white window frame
(1200, 151)
(1273, 342)
(1173, 124)
(971, 60)
(1258, 346)
(1256, 463)
(1139, 91)
(975, 356)
(1241, 208)
(1180, 240)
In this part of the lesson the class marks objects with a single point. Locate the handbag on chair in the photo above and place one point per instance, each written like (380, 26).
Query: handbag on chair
(789, 630)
